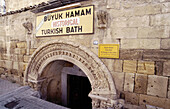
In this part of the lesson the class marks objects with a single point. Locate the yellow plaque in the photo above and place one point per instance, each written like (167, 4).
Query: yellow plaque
(73, 21)
(109, 50)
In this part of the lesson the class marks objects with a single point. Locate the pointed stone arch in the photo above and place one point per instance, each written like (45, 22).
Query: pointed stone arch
(99, 76)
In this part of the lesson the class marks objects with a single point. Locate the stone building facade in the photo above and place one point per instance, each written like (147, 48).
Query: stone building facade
(139, 78)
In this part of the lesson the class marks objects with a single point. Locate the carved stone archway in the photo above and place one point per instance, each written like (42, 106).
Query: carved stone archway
(103, 91)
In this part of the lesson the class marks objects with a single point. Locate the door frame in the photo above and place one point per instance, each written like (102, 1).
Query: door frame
(71, 71)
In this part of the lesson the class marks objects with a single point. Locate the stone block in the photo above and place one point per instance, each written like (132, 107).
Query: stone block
(138, 21)
(16, 65)
(157, 86)
(2, 31)
(156, 55)
(165, 7)
(124, 32)
(6, 57)
(146, 67)
(166, 68)
(130, 44)
(132, 98)
(2, 63)
(13, 72)
(160, 20)
(118, 66)
(113, 4)
(18, 58)
(8, 64)
(154, 101)
(13, 44)
(129, 66)
(117, 13)
(118, 22)
(141, 83)
(131, 54)
(140, 44)
(147, 9)
(108, 63)
(165, 44)
(159, 68)
(21, 45)
(32, 50)
(119, 80)
(20, 51)
(153, 9)
(26, 58)
(24, 66)
(129, 82)
(153, 32)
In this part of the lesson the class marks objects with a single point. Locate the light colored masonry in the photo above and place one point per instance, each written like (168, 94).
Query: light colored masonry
(140, 78)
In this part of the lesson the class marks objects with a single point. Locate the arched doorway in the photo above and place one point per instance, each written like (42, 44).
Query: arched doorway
(65, 84)
(103, 92)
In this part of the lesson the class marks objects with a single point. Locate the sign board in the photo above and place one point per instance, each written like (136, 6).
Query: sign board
(109, 50)
(73, 21)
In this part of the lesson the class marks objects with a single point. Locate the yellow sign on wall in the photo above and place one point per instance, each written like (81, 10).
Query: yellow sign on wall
(74, 21)
(109, 50)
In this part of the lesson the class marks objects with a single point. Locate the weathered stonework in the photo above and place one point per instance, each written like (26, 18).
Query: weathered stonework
(166, 68)
(157, 86)
(129, 66)
(140, 44)
(160, 20)
(118, 66)
(146, 67)
(159, 68)
(131, 54)
(132, 98)
(156, 55)
(165, 43)
(119, 80)
(141, 84)
(140, 75)
(61, 50)
(129, 82)
(154, 101)
(153, 32)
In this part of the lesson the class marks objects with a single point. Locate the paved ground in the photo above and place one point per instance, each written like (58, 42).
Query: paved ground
(7, 86)
(13, 96)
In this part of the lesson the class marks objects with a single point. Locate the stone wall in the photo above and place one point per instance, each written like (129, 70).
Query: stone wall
(141, 27)
(13, 5)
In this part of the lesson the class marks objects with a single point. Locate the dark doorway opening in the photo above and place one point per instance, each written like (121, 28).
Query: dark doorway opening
(77, 92)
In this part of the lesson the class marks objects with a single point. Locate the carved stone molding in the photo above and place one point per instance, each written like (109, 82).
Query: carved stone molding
(100, 102)
(97, 73)
(28, 26)
(102, 19)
